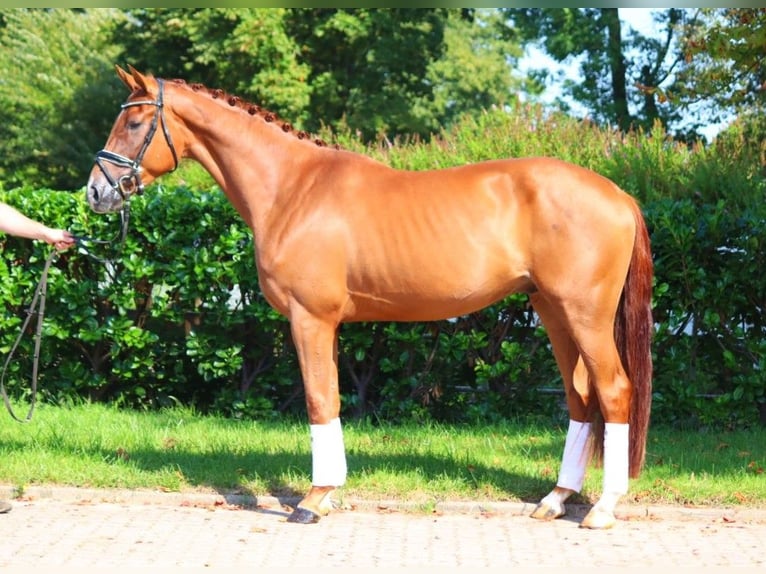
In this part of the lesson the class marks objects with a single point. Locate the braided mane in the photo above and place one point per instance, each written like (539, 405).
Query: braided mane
(253, 110)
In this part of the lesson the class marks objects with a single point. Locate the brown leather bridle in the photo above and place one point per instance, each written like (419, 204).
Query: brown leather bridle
(131, 183)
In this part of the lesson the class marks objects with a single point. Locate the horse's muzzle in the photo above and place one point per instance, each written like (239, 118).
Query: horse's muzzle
(102, 197)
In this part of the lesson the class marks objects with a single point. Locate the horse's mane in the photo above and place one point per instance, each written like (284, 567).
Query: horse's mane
(253, 110)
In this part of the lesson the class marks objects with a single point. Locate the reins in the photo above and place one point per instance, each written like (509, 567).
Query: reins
(39, 299)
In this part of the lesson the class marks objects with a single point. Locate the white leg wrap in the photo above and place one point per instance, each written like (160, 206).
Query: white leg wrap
(328, 454)
(575, 459)
(616, 466)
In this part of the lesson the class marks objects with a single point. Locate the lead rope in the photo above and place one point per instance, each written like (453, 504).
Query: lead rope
(39, 297)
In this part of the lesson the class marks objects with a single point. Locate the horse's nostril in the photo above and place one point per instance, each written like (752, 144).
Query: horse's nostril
(94, 192)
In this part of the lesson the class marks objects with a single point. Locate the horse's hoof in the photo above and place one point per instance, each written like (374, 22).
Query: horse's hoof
(544, 511)
(598, 519)
(303, 516)
(326, 506)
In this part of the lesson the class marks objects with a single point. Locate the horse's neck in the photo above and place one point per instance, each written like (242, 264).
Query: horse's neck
(251, 160)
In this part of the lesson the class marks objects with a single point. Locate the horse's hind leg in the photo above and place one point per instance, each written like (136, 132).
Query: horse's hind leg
(577, 445)
(614, 391)
(586, 330)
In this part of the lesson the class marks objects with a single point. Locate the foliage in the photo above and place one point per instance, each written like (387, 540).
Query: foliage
(55, 103)
(374, 71)
(368, 65)
(177, 316)
(381, 73)
(724, 52)
(709, 306)
(249, 52)
(655, 166)
(702, 66)
(620, 72)
(473, 74)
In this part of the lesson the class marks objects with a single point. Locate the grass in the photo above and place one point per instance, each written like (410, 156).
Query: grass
(177, 450)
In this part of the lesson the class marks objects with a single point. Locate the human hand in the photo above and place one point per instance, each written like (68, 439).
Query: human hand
(60, 238)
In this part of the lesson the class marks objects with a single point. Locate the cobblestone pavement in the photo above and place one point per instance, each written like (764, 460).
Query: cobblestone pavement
(96, 529)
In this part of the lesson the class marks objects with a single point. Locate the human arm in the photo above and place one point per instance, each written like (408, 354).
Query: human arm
(13, 222)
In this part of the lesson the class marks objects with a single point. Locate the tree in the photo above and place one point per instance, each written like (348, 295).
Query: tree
(615, 67)
(474, 73)
(725, 73)
(53, 97)
(246, 51)
(371, 71)
(368, 66)
(406, 71)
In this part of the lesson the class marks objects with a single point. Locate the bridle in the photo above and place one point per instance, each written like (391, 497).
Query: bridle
(131, 183)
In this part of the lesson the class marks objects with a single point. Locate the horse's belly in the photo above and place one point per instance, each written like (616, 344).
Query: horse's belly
(429, 301)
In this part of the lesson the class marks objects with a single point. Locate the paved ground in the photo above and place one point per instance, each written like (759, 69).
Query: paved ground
(81, 529)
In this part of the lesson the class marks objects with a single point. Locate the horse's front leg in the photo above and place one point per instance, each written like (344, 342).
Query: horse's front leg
(577, 447)
(571, 475)
(316, 342)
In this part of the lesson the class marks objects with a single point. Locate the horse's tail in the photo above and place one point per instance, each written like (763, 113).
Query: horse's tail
(634, 328)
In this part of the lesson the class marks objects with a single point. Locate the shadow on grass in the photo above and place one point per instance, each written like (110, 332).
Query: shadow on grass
(225, 471)
(284, 471)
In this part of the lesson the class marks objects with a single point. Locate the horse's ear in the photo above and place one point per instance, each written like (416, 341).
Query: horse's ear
(139, 78)
(134, 79)
(127, 78)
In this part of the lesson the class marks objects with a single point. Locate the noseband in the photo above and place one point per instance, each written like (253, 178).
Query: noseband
(131, 183)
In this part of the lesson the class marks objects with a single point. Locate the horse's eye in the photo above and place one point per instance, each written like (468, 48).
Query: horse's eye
(134, 125)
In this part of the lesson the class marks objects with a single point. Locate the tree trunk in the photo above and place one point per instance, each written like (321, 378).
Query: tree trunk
(617, 68)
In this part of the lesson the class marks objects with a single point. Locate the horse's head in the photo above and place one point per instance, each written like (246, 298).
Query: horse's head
(134, 154)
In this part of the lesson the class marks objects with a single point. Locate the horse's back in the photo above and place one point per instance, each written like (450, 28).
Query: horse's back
(515, 209)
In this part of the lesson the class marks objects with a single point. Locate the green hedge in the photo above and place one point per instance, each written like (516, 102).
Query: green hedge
(176, 314)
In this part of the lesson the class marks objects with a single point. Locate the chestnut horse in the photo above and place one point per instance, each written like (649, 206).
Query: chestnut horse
(340, 237)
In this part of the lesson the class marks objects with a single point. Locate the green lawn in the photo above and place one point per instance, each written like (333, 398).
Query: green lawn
(177, 450)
